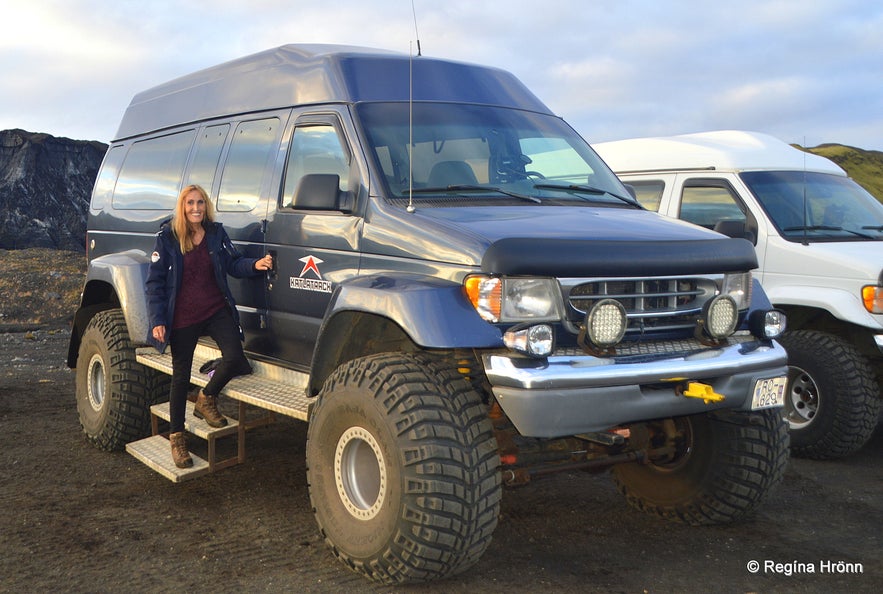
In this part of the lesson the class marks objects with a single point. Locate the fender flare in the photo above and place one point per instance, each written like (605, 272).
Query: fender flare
(125, 272)
(433, 312)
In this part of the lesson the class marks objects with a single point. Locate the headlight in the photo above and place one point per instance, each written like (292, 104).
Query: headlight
(514, 299)
(872, 297)
(767, 324)
(738, 286)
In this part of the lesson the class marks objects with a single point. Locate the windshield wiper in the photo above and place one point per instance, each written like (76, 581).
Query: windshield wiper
(471, 188)
(873, 227)
(583, 189)
(828, 228)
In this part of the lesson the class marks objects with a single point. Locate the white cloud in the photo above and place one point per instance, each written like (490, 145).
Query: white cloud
(613, 69)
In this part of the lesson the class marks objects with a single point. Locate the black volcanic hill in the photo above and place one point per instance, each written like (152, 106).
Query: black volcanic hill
(45, 186)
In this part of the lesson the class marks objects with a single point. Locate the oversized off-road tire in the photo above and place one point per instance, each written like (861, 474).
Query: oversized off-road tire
(114, 391)
(723, 467)
(833, 401)
(403, 468)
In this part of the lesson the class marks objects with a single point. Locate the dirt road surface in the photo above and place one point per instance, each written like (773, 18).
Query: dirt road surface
(76, 519)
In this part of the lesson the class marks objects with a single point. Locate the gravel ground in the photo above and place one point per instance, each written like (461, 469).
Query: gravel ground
(77, 519)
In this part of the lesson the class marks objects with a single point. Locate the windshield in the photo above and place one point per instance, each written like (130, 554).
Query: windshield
(810, 206)
(477, 150)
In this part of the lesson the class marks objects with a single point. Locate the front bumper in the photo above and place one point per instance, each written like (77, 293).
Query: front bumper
(569, 394)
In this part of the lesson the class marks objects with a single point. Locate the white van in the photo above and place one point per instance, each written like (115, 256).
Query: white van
(819, 242)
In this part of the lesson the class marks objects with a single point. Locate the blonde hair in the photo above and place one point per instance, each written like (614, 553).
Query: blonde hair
(180, 227)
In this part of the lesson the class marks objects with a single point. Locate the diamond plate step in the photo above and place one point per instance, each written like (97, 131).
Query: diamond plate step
(156, 453)
(270, 387)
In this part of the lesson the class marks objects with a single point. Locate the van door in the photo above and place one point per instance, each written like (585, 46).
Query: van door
(714, 203)
(312, 234)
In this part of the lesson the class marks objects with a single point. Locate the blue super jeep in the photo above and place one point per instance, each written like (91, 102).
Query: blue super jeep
(465, 297)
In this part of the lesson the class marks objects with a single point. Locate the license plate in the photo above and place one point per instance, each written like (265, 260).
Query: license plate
(769, 393)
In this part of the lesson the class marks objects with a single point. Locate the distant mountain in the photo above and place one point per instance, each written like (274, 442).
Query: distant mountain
(45, 186)
(865, 167)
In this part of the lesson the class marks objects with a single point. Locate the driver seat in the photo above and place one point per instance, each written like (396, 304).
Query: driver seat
(451, 173)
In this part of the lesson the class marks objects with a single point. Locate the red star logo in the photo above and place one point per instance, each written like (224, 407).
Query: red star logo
(311, 263)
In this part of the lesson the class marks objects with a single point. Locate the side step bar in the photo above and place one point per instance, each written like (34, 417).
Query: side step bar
(269, 387)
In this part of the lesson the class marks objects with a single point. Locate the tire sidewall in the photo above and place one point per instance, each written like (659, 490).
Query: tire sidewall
(347, 408)
(93, 420)
(848, 402)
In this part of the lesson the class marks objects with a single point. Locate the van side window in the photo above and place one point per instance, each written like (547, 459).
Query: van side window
(247, 164)
(208, 154)
(152, 172)
(708, 203)
(102, 194)
(315, 149)
(648, 192)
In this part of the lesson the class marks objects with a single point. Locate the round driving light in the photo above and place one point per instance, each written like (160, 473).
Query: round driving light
(721, 315)
(536, 341)
(768, 324)
(606, 323)
(540, 340)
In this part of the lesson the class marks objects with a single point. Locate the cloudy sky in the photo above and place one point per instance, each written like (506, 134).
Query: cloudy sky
(807, 72)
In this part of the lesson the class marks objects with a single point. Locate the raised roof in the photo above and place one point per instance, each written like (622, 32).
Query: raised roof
(723, 149)
(315, 73)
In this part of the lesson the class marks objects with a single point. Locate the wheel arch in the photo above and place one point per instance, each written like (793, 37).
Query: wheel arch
(378, 314)
(112, 281)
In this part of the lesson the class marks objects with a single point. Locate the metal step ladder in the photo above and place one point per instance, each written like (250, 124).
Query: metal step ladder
(273, 389)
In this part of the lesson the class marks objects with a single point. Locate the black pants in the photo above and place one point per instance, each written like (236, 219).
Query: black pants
(223, 330)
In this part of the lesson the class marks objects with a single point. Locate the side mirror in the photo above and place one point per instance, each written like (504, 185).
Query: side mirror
(317, 191)
(734, 229)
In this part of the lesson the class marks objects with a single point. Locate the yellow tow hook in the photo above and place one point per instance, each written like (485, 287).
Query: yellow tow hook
(702, 391)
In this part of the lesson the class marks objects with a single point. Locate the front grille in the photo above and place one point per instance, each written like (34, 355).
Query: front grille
(652, 304)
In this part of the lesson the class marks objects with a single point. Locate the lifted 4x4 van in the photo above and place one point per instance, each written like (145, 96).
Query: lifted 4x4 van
(464, 297)
(819, 242)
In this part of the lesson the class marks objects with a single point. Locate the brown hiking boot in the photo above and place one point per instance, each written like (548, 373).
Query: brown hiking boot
(206, 407)
(179, 450)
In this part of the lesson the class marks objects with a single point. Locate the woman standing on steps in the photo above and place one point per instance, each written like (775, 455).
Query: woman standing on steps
(188, 297)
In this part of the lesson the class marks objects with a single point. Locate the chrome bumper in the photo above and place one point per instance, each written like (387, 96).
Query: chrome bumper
(568, 395)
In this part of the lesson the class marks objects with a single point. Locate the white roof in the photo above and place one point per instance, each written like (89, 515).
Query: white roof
(721, 150)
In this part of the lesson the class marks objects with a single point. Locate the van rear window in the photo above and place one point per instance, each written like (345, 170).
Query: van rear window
(151, 174)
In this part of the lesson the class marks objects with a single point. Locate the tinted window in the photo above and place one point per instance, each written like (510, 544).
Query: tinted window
(707, 204)
(648, 192)
(208, 153)
(247, 163)
(151, 174)
(107, 177)
(315, 149)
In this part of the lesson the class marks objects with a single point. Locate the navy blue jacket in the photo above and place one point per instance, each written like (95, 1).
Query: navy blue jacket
(166, 269)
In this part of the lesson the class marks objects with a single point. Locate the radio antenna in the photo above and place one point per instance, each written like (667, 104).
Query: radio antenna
(411, 126)
(410, 207)
(416, 32)
(805, 203)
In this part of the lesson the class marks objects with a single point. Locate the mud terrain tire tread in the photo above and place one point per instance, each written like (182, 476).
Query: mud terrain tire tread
(444, 494)
(130, 388)
(732, 468)
(849, 395)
